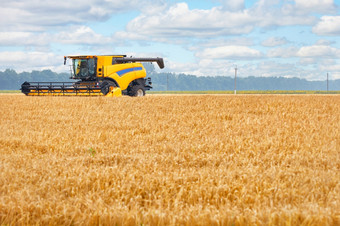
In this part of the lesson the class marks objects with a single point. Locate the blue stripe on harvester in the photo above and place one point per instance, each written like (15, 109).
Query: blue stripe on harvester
(124, 71)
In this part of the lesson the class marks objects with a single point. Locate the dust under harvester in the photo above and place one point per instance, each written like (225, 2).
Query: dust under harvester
(113, 75)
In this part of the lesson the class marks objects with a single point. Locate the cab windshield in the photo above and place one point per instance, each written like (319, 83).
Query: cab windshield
(84, 68)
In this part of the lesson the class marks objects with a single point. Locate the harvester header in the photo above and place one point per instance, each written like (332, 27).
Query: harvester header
(109, 75)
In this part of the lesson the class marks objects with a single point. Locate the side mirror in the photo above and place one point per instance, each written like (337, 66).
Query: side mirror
(64, 60)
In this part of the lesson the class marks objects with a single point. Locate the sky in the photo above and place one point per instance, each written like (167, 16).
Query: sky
(262, 38)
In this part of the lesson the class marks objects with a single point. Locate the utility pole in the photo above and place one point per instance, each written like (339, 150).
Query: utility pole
(327, 82)
(167, 82)
(235, 79)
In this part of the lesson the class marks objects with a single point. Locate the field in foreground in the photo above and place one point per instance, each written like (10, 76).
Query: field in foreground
(224, 92)
(170, 160)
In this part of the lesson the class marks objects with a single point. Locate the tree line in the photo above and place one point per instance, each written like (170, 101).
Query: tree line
(11, 80)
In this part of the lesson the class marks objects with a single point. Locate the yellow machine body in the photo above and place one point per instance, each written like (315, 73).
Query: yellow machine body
(123, 74)
(112, 75)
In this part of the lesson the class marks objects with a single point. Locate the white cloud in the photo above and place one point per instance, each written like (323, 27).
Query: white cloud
(275, 69)
(78, 35)
(232, 5)
(230, 52)
(317, 61)
(331, 68)
(325, 6)
(329, 25)
(274, 41)
(204, 67)
(38, 15)
(307, 61)
(283, 52)
(28, 61)
(18, 38)
(217, 42)
(215, 67)
(288, 70)
(186, 68)
(318, 51)
(178, 21)
(324, 42)
(310, 54)
(82, 35)
(274, 13)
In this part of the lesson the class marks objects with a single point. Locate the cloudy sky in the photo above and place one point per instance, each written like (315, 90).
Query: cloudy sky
(290, 38)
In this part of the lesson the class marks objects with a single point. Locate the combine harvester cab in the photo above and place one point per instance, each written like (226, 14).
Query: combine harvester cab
(115, 75)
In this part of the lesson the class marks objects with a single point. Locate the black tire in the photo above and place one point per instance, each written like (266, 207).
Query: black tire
(25, 88)
(105, 86)
(137, 91)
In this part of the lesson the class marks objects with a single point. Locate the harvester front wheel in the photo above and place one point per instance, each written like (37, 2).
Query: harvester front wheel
(106, 86)
(137, 91)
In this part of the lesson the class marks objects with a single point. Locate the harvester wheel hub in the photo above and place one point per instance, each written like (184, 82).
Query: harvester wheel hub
(140, 93)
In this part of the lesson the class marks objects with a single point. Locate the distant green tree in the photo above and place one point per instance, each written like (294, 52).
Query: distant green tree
(11, 80)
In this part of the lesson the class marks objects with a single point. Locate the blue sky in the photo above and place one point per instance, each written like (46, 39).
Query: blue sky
(289, 38)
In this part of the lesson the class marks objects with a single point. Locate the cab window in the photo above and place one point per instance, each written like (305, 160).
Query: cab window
(83, 68)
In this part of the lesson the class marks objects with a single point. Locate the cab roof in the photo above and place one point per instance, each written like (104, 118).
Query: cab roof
(92, 56)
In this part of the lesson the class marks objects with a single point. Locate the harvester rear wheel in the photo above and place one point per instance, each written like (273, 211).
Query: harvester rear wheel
(137, 91)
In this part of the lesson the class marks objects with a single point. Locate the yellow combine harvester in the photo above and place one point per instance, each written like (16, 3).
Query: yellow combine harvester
(98, 76)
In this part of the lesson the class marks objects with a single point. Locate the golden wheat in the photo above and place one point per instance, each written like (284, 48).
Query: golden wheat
(170, 160)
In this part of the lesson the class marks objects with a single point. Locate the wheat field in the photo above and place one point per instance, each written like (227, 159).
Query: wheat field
(170, 160)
